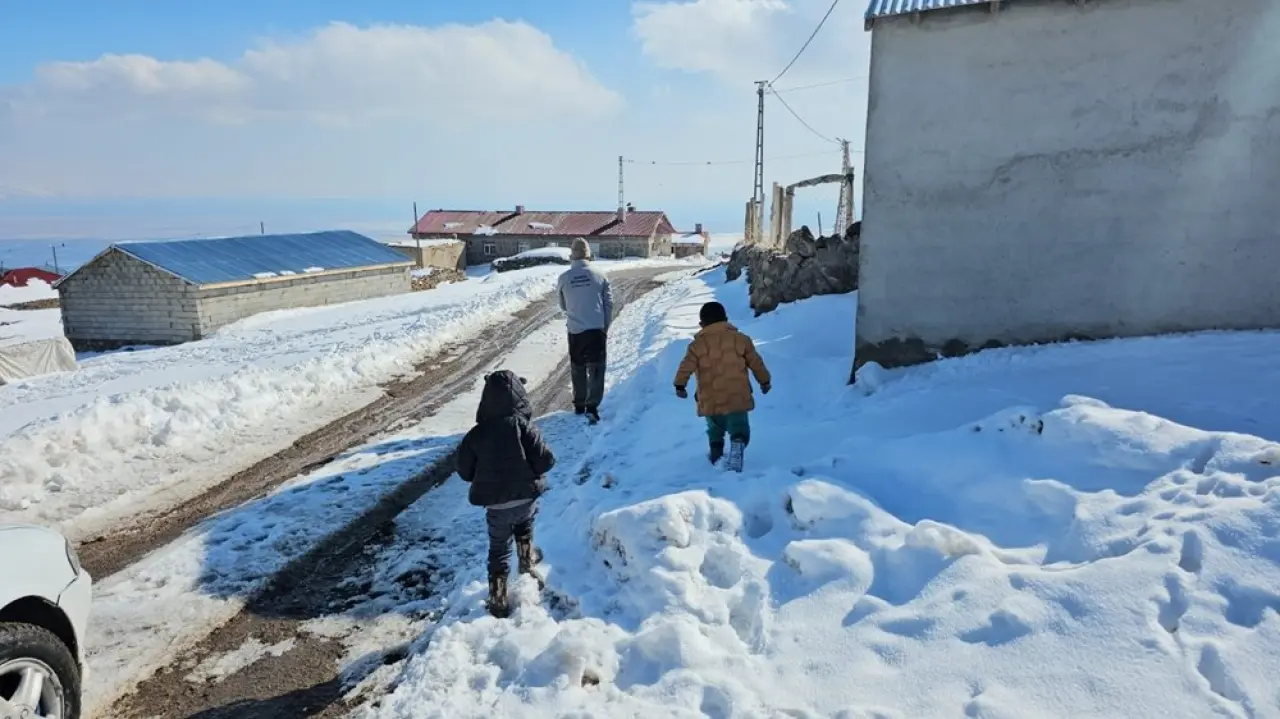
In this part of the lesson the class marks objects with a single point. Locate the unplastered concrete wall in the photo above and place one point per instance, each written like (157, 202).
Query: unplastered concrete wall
(1057, 170)
(117, 300)
(221, 306)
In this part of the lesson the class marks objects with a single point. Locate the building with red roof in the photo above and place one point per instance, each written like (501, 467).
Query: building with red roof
(490, 235)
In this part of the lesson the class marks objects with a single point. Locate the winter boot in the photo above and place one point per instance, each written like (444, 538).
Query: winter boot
(717, 451)
(737, 448)
(579, 409)
(593, 415)
(527, 555)
(499, 603)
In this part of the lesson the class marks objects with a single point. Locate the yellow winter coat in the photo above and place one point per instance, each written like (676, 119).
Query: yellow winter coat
(720, 356)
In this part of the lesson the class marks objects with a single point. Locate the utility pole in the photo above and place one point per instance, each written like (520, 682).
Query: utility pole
(413, 233)
(757, 193)
(262, 227)
(844, 209)
(621, 197)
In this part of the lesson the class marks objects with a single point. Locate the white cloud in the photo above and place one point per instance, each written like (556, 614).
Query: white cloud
(745, 40)
(338, 74)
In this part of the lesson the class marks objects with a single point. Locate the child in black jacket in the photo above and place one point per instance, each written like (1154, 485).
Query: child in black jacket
(505, 459)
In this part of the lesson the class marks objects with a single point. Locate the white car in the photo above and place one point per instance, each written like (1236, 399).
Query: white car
(44, 611)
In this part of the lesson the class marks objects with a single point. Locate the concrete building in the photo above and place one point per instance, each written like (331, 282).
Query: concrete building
(155, 293)
(1039, 170)
(691, 244)
(441, 254)
(490, 235)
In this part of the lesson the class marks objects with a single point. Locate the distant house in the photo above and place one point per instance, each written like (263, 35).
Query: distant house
(490, 235)
(139, 293)
(1045, 170)
(690, 244)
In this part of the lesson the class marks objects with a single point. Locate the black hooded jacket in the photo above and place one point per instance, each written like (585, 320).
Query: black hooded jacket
(504, 456)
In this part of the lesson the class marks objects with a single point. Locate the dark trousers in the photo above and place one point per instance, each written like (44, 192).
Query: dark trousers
(736, 425)
(587, 360)
(505, 525)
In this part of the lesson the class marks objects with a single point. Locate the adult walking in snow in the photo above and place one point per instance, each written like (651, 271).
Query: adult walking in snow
(587, 300)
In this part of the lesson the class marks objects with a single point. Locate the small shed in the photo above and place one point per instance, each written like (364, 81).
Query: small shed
(156, 293)
(440, 254)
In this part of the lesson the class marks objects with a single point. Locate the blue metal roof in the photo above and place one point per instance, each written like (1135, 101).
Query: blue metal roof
(238, 259)
(889, 8)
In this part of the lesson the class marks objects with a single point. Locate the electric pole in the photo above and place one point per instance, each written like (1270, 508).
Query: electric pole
(757, 193)
(621, 198)
(844, 209)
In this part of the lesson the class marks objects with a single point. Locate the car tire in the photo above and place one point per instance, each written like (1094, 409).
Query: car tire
(28, 641)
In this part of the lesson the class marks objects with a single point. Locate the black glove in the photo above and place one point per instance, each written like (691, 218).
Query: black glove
(681, 392)
(764, 388)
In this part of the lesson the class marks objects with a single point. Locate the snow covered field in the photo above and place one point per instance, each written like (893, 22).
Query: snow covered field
(34, 291)
(1071, 531)
(127, 429)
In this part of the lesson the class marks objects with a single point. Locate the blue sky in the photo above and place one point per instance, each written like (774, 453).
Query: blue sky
(110, 112)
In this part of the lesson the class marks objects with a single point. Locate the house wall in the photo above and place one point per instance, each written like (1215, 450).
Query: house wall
(447, 255)
(1058, 170)
(117, 300)
(221, 306)
(508, 245)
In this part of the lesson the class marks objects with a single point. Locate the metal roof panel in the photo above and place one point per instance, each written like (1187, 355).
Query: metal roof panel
(890, 8)
(237, 259)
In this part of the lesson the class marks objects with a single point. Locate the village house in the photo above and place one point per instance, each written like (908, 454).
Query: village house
(159, 293)
(491, 235)
(1038, 170)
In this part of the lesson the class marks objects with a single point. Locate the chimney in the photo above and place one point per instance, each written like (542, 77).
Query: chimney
(622, 214)
(519, 209)
(697, 229)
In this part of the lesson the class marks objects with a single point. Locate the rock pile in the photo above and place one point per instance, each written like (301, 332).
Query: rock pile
(806, 267)
(507, 264)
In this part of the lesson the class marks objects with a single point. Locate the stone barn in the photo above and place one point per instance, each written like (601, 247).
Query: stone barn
(1038, 170)
(490, 235)
(157, 293)
(439, 254)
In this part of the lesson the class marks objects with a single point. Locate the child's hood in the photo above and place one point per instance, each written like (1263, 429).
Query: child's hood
(503, 396)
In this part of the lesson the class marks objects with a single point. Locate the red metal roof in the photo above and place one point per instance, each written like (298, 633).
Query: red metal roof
(555, 224)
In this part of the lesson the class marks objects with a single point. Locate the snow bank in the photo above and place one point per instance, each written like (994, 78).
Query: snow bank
(21, 326)
(558, 252)
(1086, 530)
(129, 431)
(35, 291)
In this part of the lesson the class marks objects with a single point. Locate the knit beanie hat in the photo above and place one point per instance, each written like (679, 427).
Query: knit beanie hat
(711, 313)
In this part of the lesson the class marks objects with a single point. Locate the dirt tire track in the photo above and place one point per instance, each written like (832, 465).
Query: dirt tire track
(305, 682)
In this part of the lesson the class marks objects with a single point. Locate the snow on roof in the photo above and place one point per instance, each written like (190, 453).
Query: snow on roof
(637, 223)
(238, 259)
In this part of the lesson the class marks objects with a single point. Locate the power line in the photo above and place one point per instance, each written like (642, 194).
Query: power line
(820, 84)
(806, 42)
(723, 162)
(802, 122)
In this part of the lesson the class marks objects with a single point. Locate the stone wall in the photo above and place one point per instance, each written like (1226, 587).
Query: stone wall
(444, 254)
(220, 306)
(806, 267)
(507, 264)
(117, 300)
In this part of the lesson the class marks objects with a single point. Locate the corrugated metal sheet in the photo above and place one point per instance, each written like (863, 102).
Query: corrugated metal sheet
(550, 224)
(456, 222)
(890, 8)
(236, 259)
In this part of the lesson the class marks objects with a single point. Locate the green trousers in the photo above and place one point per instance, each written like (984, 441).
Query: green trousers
(736, 425)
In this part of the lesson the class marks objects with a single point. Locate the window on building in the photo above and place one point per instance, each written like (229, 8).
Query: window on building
(490, 249)
(522, 247)
(553, 244)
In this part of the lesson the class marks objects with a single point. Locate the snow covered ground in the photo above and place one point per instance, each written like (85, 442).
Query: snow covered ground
(19, 326)
(1082, 530)
(129, 429)
(34, 291)
(150, 612)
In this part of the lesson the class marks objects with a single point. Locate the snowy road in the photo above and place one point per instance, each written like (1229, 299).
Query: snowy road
(270, 659)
